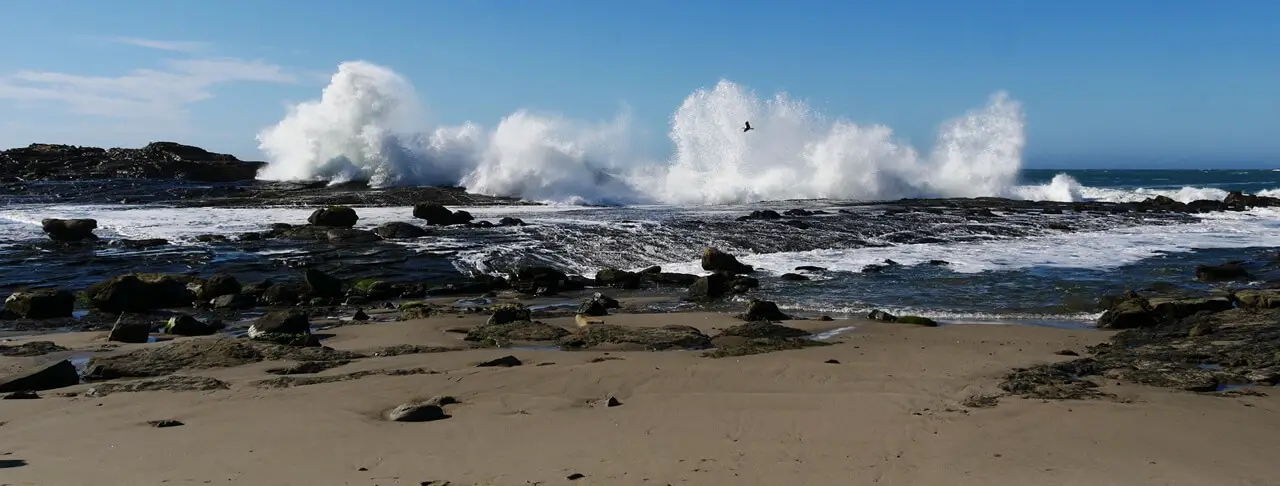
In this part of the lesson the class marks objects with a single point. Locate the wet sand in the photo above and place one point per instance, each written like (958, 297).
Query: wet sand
(892, 411)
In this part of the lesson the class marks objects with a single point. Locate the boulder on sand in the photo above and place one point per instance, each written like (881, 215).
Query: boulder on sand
(334, 216)
(41, 304)
(715, 260)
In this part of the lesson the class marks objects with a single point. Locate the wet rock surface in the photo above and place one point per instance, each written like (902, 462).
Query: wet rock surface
(647, 338)
(759, 337)
(32, 348)
(41, 376)
(203, 353)
(172, 383)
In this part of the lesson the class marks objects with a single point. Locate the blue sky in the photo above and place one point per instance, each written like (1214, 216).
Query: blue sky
(1152, 83)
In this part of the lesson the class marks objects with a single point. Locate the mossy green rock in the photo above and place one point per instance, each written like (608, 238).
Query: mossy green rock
(916, 320)
(507, 313)
(651, 338)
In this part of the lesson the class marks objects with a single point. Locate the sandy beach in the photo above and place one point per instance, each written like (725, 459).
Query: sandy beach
(885, 404)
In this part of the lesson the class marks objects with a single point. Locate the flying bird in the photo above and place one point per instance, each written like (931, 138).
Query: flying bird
(747, 128)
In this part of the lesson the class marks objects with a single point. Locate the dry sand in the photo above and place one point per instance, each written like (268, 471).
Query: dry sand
(889, 412)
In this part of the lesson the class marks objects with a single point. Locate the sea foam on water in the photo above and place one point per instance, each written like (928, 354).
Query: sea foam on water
(368, 124)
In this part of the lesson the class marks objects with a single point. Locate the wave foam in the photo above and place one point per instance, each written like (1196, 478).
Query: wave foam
(368, 124)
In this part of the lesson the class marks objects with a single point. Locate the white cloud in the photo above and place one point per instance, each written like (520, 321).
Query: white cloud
(156, 94)
(175, 46)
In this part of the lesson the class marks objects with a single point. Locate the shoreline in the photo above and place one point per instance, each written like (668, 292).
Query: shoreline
(899, 405)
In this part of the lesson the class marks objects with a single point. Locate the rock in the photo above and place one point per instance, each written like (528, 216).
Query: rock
(49, 376)
(1180, 308)
(650, 338)
(31, 348)
(543, 281)
(41, 304)
(417, 412)
(793, 277)
(502, 334)
(509, 221)
(832, 361)
(608, 402)
(666, 278)
(809, 268)
(397, 230)
(1258, 299)
(508, 313)
(763, 310)
(282, 295)
(139, 244)
(715, 260)
(162, 424)
(1220, 273)
(69, 229)
(22, 395)
(1133, 312)
(292, 328)
(360, 316)
(612, 277)
(597, 306)
(939, 263)
(235, 301)
(759, 337)
(129, 331)
(319, 284)
(438, 215)
(185, 325)
(708, 288)
(203, 353)
(916, 320)
(211, 238)
(334, 217)
(879, 315)
(141, 293)
(414, 310)
(218, 286)
(504, 362)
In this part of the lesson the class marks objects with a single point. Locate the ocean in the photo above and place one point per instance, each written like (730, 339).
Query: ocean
(1016, 265)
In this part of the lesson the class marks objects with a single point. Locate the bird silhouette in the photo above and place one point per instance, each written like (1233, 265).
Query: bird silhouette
(747, 128)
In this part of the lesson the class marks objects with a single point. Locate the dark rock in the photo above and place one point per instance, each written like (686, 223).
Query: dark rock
(185, 325)
(309, 367)
(879, 315)
(508, 313)
(282, 295)
(334, 217)
(1133, 312)
(1180, 308)
(211, 238)
(438, 215)
(22, 395)
(715, 260)
(654, 270)
(832, 361)
(49, 376)
(127, 330)
(69, 229)
(593, 308)
(504, 362)
(292, 328)
(649, 338)
(162, 424)
(509, 221)
(763, 310)
(1066, 352)
(415, 310)
(218, 286)
(41, 304)
(916, 320)
(760, 329)
(319, 284)
(767, 214)
(417, 412)
(141, 292)
(234, 301)
(1220, 273)
(397, 230)
(139, 244)
(612, 277)
(759, 337)
(360, 316)
(666, 278)
(809, 268)
(609, 402)
(938, 263)
(793, 277)
(709, 288)
(1258, 299)
(543, 281)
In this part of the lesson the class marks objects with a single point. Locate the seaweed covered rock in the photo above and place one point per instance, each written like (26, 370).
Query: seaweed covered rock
(759, 337)
(508, 313)
(648, 338)
(621, 279)
(598, 305)
(1132, 312)
(41, 304)
(514, 331)
(318, 284)
(398, 230)
(218, 286)
(1221, 273)
(185, 325)
(916, 320)
(203, 353)
(543, 281)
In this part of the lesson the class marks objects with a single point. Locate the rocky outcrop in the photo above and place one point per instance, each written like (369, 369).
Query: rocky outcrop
(41, 304)
(647, 338)
(334, 217)
(763, 310)
(141, 292)
(438, 215)
(714, 260)
(40, 377)
(158, 160)
(397, 230)
(759, 337)
(291, 328)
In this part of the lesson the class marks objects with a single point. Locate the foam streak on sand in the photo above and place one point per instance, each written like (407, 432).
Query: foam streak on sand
(368, 124)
